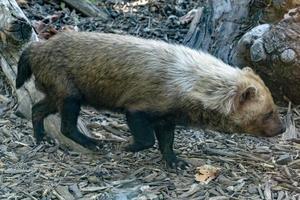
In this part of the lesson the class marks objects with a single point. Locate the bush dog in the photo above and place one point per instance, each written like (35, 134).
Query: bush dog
(156, 84)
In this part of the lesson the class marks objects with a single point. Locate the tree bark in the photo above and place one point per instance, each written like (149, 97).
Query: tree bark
(219, 26)
(15, 33)
(256, 34)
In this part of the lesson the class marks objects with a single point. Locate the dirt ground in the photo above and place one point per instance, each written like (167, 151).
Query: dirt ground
(249, 167)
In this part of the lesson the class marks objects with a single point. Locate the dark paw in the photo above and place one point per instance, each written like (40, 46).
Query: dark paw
(91, 144)
(44, 138)
(83, 140)
(176, 163)
(39, 138)
(39, 141)
(136, 147)
(50, 140)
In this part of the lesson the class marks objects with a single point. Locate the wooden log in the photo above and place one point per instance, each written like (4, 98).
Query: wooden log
(15, 33)
(87, 8)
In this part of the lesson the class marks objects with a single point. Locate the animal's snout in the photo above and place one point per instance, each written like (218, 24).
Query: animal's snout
(283, 129)
(278, 131)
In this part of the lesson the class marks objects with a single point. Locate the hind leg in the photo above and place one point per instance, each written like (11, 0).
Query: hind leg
(141, 130)
(40, 111)
(164, 131)
(69, 114)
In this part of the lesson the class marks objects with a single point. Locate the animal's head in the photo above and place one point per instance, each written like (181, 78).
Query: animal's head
(253, 108)
(243, 98)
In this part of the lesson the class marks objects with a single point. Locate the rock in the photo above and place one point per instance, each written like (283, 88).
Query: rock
(257, 51)
(288, 56)
(254, 34)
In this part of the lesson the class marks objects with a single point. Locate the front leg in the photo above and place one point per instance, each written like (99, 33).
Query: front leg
(164, 131)
(141, 130)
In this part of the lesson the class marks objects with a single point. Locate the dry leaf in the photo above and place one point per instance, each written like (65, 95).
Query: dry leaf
(206, 173)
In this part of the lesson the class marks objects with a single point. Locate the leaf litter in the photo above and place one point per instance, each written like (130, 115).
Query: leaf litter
(251, 168)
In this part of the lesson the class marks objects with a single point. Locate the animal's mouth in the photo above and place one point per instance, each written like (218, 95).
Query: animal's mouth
(273, 134)
(279, 129)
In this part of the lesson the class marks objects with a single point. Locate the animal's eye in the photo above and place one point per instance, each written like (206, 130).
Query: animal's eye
(268, 115)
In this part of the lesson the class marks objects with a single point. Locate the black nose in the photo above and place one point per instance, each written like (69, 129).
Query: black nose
(283, 129)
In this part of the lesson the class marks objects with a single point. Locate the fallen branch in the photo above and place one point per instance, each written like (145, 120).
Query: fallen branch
(87, 8)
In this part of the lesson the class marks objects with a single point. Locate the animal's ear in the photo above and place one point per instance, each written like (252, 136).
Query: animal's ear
(248, 69)
(248, 94)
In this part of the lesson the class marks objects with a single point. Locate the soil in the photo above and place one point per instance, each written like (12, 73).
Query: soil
(249, 167)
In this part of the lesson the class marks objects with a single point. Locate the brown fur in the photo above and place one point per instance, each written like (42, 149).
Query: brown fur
(115, 72)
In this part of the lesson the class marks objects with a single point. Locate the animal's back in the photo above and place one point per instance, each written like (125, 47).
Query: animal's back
(110, 71)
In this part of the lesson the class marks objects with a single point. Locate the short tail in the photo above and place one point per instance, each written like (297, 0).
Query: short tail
(24, 69)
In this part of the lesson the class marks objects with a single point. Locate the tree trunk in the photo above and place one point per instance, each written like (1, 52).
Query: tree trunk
(15, 33)
(230, 30)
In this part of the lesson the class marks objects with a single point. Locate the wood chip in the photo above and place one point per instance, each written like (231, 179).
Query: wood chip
(63, 191)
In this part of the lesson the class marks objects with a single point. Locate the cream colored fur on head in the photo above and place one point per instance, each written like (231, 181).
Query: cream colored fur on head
(215, 84)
